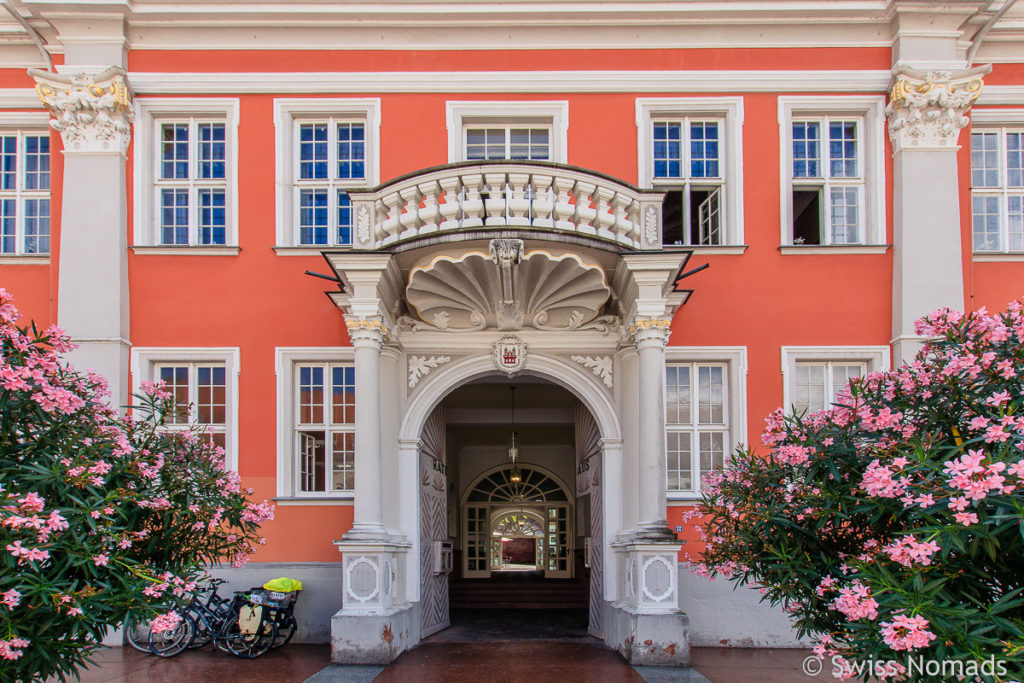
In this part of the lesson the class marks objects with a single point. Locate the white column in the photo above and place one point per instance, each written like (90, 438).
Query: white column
(92, 112)
(926, 112)
(650, 337)
(367, 337)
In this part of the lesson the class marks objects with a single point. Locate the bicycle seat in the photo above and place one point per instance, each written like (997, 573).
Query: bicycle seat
(216, 582)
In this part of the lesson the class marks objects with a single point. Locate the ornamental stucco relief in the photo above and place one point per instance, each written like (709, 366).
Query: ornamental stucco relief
(927, 109)
(92, 112)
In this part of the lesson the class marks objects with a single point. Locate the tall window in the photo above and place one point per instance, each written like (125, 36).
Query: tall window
(331, 156)
(200, 391)
(997, 197)
(697, 422)
(687, 162)
(508, 142)
(827, 181)
(191, 182)
(24, 193)
(325, 427)
(816, 384)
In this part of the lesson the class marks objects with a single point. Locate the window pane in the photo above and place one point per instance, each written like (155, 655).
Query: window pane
(312, 461)
(1014, 160)
(343, 381)
(344, 236)
(37, 226)
(211, 395)
(37, 162)
(679, 464)
(677, 394)
(842, 149)
(351, 150)
(704, 150)
(806, 140)
(343, 461)
(8, 162)
(212, 150)
(841, 375)
(173, 151)
(711, 393)
(705, 216)
(845, 215)
(176, 378)
(311, 394)
(1015, 222)
(985, 221)
(712, 452)
(985, 159)
(313, 151)
(809, 388)
(313, 217)
(7, 225)
(807, 215)
(212, 217)
(668, 150)
(174, 216)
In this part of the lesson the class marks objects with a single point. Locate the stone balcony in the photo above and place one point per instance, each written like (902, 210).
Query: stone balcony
(475, 197)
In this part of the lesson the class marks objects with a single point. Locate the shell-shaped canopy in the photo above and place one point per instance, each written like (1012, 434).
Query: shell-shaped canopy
(470, 291)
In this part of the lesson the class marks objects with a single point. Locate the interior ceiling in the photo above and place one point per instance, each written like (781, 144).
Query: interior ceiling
(532, 394)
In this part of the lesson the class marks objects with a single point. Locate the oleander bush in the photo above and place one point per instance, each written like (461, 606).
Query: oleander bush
(99, 514)
(891, 526)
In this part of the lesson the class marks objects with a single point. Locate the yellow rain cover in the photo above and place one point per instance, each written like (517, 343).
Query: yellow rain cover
(283, 585)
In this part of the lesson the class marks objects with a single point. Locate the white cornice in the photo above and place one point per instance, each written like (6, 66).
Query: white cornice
(511, 81)
(1001, 94)
(20, 98)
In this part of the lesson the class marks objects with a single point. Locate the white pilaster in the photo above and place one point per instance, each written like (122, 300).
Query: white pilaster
(650, 337)
(93, 115)
(367, 337)
(926, 113)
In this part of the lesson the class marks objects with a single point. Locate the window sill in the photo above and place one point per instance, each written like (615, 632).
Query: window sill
(709, 250)
(681, 497)
(26, 260)
(189, 250)
(994, 256)
(307, 251)
(790, 249)
(319, 500)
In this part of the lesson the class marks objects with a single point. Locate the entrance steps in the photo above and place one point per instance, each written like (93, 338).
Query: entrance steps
(521, 590)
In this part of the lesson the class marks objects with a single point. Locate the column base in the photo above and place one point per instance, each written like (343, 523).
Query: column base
(373, 638)
(649, 639)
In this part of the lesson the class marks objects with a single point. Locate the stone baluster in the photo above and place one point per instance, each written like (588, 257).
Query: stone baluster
(585, 213)
(543, 202)
(451, 209)
(495, 204)
(392, 222)
(623, 226)
(410, 218)
(380, 215)
(605, 219)
(473, 203)
(430, 213)
(518, 202)
(564, 209)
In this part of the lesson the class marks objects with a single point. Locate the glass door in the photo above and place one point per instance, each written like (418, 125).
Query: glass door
(558, 556)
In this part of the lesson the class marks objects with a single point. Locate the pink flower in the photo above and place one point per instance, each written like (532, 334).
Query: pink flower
(75, 612)
(856, 602)
(27, 554)
(966, 518)
(11, 649)
(165, 622)
(11, 598)
(100, 560)
(909, 550)
(906, 633)
(31, 503)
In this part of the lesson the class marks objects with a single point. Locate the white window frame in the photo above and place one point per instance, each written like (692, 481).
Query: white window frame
(553, 114)
(22, 124)
(735, 360)
(144, 361)
(286, 359)
(875, 358)
(869, 111)
(289, 113)
(729, 112)
(150, 113)
(998, 121)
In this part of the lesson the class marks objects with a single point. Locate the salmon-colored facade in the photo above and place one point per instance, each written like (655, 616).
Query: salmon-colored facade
(777, 317)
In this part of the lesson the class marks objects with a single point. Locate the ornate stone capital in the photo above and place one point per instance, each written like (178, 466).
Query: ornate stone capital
(92, 112)
(927, 109)
(650, 331)
(366, 331)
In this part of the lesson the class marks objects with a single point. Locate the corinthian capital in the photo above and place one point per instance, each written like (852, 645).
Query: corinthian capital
(92, 112)
(650, 331)
(927, 109)
(366, 331)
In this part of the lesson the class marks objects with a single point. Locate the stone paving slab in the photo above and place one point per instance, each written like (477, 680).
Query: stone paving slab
(350, 673)
(670, 674)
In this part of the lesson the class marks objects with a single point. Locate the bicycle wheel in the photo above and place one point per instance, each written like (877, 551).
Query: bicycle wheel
(172, 642)
(203, 635)
(285, 630)
(247, 633)
(136, 633)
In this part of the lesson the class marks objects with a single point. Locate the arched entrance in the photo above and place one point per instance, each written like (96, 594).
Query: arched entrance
(521, 534)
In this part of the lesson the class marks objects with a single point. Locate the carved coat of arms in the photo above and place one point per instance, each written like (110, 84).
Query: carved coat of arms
(509, 354)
